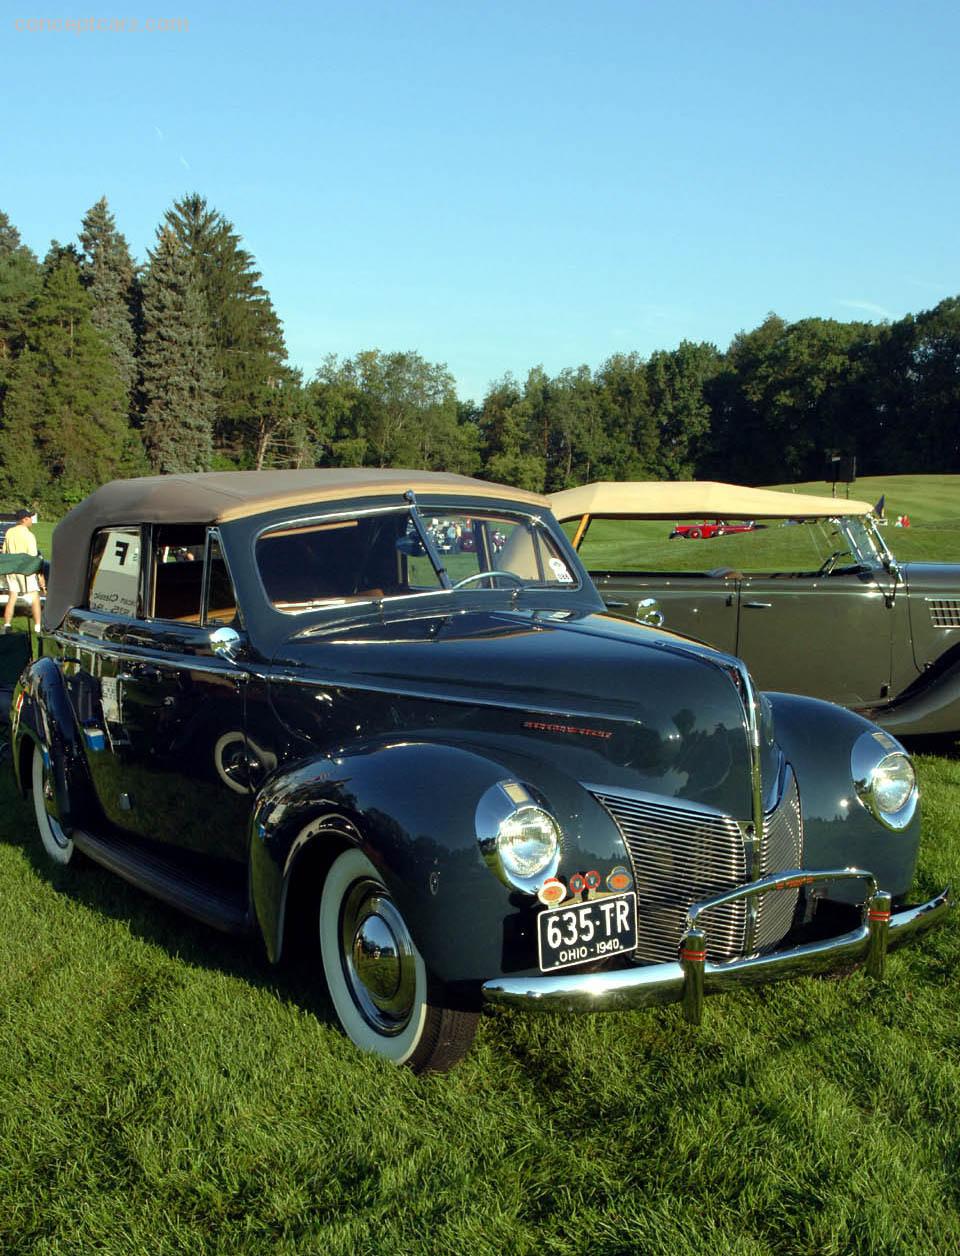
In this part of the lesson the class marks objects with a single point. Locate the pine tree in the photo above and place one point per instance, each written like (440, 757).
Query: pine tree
(178, 382)
(19, 284)
(110, 277)
(244, 332)
(65, 396)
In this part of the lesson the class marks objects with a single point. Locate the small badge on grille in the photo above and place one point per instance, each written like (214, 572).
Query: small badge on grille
(619, 879)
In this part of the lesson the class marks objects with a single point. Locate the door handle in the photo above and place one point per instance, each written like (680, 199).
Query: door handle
(758, 606)
(614, 606)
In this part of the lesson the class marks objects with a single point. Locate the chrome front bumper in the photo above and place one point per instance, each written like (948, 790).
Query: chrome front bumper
(691, 977)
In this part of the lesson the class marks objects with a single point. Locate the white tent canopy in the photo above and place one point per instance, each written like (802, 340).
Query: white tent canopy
(694, 499)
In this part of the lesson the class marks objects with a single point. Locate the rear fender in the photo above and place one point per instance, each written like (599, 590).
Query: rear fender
(42, 715)
(818, 738)
(411, 807)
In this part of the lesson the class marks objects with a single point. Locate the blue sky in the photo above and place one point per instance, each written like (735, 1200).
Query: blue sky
(499, 185)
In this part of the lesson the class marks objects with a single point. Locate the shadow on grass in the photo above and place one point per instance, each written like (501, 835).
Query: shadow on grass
(296, 979)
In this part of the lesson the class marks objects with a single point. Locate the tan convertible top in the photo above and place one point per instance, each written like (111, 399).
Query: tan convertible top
(219, 496)
(694, 499)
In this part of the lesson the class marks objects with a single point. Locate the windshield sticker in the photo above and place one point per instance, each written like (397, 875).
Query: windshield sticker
(559, 569)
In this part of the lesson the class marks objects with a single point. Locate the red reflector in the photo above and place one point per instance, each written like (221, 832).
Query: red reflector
(552, 892)
(592, 879)
(577, 884)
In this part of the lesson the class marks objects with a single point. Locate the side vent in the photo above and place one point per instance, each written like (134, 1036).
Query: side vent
(944, 612)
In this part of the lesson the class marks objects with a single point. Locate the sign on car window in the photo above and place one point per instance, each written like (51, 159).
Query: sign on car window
(115, 571)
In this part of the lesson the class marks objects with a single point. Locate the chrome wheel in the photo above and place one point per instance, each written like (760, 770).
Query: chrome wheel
(378, 958)
(384, 998)
(58, 846)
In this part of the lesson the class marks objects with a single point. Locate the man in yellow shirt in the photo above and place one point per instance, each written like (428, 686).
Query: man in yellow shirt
(20, 540)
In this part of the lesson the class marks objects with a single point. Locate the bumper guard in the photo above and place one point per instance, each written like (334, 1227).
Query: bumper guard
(691, 977)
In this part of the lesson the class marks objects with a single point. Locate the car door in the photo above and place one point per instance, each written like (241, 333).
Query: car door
(697, 605)
(181, 705)
(827, 635)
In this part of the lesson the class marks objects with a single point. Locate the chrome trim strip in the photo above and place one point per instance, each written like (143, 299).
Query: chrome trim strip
(653, 985)
(156, 658)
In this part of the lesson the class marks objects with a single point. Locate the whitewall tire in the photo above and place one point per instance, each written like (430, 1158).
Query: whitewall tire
(380, 988)
(58, 847)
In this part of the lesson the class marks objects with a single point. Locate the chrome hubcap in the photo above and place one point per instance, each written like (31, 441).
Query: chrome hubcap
(377, 954)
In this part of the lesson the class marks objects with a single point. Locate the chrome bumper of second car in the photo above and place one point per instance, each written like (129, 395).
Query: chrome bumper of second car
(691, 977)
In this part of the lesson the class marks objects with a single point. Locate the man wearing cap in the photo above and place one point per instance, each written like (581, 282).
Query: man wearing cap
(20, 540)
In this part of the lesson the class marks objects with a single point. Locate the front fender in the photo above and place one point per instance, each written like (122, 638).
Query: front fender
(413, 805)
(931, 704)
(42, 713)
(817, 738)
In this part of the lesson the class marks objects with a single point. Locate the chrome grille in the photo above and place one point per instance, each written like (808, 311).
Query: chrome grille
(680, 855)
(782, 848)
(944, 612)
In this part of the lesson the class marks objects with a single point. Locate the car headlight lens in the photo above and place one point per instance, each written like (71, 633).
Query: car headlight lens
(894, 780)
(528, 841)
(519, 839)
(885, 780)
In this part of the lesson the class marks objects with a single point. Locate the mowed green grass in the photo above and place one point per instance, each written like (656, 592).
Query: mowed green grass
(164, 1089)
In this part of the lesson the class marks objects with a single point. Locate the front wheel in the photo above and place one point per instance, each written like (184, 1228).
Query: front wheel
(58, 847)
(384, 997)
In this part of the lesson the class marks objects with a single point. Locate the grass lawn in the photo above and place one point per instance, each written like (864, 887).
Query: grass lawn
(164, 1090)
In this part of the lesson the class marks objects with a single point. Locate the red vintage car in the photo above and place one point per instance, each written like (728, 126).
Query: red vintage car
(709, 528)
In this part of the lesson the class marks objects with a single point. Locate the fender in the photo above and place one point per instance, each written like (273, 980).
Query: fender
(930, 705)
(817, 738)
(412, 806)
(43, 714)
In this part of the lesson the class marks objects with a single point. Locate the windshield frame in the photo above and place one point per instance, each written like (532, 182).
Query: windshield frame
(535, 521)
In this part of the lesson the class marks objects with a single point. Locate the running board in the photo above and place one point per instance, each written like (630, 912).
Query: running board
(178, 882)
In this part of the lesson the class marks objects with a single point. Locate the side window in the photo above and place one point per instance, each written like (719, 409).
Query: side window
(221, 604)
(114, 584)
(177, 584)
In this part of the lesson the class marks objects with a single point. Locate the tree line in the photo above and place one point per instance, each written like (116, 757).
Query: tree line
(110, 369)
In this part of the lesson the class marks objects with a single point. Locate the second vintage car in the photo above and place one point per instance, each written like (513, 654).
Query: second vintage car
(814, 601)
(269, 699)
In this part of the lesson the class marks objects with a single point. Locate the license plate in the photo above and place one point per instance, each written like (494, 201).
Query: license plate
(579, 932)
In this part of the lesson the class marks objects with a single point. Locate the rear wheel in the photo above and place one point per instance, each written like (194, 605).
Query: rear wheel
(58, 847)
(384, 996)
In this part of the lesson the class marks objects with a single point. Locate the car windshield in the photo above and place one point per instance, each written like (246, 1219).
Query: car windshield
(781, 546)
(399, 553)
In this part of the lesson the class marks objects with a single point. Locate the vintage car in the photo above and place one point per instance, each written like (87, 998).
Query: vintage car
(814, 602)
(269, 700)
(707, 529)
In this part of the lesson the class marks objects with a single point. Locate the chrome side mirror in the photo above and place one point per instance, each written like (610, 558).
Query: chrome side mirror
(226, 643)
(649, 612)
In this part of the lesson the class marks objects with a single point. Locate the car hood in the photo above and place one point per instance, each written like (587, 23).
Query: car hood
(617, 702)
(923, 576)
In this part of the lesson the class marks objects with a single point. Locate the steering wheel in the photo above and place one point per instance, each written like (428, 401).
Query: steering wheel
(830, 561)
(485, 575)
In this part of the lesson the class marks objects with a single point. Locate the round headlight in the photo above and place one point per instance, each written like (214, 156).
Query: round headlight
(528, 841)
(894, 780)
(884, 778)
(519, 839)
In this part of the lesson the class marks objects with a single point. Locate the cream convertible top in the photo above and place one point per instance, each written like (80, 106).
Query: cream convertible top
(693, 499)
(218, 496)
